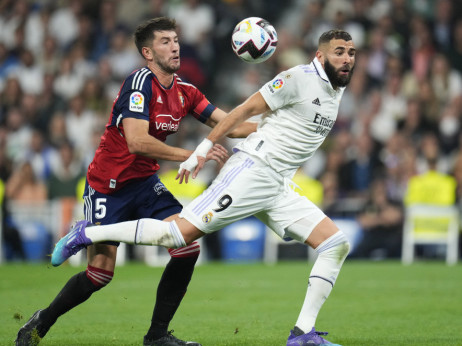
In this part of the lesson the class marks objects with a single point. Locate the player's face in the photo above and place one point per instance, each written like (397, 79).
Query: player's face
(166, 51)
(339, 62)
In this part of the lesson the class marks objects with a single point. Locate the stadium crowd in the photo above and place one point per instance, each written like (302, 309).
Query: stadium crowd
(62, 62)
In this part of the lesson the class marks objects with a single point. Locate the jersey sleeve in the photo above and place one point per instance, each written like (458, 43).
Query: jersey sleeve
(280, 91)
(201, 108)
(135, 95)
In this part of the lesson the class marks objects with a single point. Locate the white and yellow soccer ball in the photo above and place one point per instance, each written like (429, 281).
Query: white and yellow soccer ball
(254, 40)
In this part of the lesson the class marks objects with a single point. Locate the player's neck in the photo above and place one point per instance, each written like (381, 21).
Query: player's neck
(164, 78)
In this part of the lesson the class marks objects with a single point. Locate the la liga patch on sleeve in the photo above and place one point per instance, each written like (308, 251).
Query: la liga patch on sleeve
(136, 102)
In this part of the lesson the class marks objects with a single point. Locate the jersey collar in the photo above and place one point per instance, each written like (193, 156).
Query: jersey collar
(164, 86)
(323, 75)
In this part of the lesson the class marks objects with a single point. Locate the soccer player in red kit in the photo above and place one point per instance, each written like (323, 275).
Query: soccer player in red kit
(122, 183)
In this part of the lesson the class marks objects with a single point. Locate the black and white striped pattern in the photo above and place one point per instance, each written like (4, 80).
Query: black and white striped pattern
(88, 204)
(221, 186)
(139, 78)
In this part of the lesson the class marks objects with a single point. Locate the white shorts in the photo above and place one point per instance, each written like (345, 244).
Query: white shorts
(247, 186)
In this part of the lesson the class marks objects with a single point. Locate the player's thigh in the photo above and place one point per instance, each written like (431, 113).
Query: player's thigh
(241, 189)
(104, 209)
(155, 201)
(293, 216)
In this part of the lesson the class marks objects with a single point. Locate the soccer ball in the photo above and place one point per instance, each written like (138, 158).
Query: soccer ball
(254, 40)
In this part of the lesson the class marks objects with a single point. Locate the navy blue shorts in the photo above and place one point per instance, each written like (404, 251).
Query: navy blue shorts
(147, 198)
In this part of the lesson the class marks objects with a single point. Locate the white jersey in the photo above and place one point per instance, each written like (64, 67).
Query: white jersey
(304, 108)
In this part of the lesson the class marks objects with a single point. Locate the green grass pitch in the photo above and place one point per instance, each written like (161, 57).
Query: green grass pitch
(373, 303)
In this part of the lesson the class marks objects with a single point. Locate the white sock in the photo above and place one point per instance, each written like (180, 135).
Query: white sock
(142, 231)
(332, 253)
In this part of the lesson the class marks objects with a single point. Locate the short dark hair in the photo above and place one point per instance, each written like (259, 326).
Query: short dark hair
(337, 34)
(144, 33)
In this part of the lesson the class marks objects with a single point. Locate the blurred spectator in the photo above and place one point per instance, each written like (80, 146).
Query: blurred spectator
(81, 65)
(57, 129)
(106, 26)
(47, 104)
(93, 96)
(430, 153)
(50, 56)
(10, 97)
(363, 166)
(8, 62)
(85, 36)
(36, 27)
(105, 77)
(454, 52)
(66, 173)
(377, 57)
(80, 124)
(123, 56)
(398, 158)
(442, 23)
(12, 20)
(413, 125)
(196, 20)
(446, 82)
(6, 164)
(64, 25)
(29, 74)
(422, 47)
(68, 83)
(39, 155)
(23, 186)
(431, 187)
(430, 104)
(382, 224)
(449, 128)
(18, 134)
(11, 239)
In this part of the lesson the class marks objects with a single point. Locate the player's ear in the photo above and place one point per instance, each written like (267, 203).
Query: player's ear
(320, 56)
(147, 53)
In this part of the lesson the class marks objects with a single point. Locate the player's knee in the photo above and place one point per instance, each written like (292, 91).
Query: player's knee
(337, 246)
(191, 250)
(99, 277)
(344, 248)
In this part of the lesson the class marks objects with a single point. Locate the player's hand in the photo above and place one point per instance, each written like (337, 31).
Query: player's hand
(192, 163)
(218, 153)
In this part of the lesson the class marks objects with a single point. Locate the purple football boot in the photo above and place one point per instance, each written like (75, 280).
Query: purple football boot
(71, 243)
(297, 338)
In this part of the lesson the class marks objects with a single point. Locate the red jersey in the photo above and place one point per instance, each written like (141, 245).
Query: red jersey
(143, 97)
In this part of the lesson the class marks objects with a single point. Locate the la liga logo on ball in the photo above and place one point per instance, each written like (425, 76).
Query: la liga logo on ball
(254, 40)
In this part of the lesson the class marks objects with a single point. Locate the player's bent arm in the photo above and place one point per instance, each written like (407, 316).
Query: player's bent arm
(254, 105)
(242, 131)
(140, 142)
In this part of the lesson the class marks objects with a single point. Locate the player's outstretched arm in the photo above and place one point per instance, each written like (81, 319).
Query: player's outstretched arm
(241, 131)
(254, 105)
(140, 142)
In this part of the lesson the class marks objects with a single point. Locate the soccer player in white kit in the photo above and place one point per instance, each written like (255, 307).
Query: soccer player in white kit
(299, 108)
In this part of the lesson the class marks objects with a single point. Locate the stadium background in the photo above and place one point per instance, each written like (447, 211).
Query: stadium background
(62, 62)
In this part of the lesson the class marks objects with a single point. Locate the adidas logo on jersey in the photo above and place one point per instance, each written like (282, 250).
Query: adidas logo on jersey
(316, 102)
(159, 99)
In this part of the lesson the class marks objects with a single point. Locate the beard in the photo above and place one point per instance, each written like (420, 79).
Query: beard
(169, 68)
(334, 76)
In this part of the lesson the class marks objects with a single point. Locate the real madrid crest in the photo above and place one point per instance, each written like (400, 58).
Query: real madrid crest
(207, 217)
